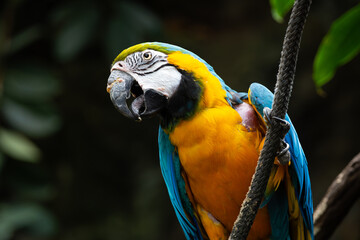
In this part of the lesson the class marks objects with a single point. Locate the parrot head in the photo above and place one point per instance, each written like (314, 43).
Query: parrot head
(162, 79)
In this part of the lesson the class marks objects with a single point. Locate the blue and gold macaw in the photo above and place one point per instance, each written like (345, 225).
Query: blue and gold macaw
(210, 137)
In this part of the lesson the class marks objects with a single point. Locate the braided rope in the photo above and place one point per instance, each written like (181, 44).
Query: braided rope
(275, 132)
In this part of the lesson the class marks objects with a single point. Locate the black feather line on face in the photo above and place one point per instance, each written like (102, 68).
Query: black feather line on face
(183, 103)
(145, 73)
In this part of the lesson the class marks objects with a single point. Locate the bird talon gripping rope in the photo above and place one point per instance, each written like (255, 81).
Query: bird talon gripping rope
(283, 154)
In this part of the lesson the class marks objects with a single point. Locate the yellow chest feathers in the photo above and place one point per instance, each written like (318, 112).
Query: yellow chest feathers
(218, 155)
(215, 149)
(216, 128)
(212, 137)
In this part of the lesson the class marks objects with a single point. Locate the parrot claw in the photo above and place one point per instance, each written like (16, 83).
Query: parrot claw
(267, 116)
(283, 155)
(269, 119)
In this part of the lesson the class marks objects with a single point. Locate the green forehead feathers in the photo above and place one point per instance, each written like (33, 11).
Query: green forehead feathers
(141, 47)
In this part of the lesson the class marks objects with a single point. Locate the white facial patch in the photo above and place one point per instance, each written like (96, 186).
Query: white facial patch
(151, 70)
(164, 80)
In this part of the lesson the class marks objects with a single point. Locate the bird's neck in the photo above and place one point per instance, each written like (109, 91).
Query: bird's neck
(184, 102)
(199, 89)
(192, 97)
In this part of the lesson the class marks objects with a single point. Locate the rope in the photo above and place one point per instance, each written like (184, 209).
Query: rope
(276, 131)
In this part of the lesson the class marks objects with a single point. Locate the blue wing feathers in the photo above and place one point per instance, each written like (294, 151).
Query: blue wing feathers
(261, 97)
(278, 210)
(170, 167)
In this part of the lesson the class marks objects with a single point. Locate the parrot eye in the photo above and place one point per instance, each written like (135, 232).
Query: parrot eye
(147, 55)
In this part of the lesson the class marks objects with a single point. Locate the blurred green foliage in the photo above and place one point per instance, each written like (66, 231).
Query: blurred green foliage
(27, 110)
(27, 100)
(18, 147)
(340, 45)
(32, 54)
(32, 217)
(72, 168)
(279, 8)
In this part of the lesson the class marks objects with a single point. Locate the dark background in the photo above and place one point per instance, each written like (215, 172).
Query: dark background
(98, 176)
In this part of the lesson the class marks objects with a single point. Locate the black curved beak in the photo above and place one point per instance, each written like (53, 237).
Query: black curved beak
(122, 86)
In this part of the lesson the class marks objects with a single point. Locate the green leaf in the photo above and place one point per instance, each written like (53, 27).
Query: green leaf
(25, 38)
(115, 39)
(339, 46)
(31, 83)
(279, 8)
(18, 146)
(31, 218)
(134, 20)
(142, 19)
(35, 120)
(76, 33)
(35, 192)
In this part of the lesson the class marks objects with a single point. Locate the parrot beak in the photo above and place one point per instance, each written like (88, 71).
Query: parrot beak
(122, 86)
(119, 85)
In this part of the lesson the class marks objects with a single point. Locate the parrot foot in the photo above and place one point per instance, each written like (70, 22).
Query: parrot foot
(283, 154)
(269, 120)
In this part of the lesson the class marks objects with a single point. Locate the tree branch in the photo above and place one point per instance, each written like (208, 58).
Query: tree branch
(339, 198)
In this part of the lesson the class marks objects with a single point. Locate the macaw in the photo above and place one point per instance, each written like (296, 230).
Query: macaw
(210, 137)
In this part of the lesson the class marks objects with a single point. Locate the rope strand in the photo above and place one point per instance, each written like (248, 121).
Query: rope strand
(275, 132)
